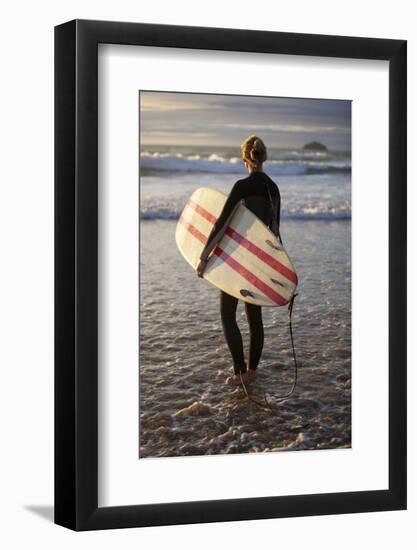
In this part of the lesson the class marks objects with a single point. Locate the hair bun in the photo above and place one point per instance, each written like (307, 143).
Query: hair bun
(257, 145)
(257, 150)
(254, 150)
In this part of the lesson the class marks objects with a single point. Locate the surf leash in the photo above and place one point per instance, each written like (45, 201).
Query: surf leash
(268, 406)
(294, 384)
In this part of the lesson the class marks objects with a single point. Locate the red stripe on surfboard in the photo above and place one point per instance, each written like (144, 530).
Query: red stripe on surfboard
(252, 247)
(202, 211)
(239, 268)
(193, 230)
(253, 279)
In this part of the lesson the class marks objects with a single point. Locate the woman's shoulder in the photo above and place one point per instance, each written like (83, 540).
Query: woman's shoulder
(247, 184)
(271, 183)
(240, 185)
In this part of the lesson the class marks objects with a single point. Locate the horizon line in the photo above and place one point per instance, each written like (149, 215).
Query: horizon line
(219, 145)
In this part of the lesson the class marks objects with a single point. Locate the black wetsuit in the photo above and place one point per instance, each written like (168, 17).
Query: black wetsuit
(254, 191)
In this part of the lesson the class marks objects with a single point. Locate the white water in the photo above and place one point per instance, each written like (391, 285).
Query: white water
(185, 406)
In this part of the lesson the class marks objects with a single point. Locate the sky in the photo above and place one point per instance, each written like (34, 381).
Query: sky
(174, 119)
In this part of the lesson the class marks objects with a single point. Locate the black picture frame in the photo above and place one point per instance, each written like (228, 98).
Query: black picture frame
(76, 272)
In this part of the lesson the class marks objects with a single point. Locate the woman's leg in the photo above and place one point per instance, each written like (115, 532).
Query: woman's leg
(256, 328)
(228, 306)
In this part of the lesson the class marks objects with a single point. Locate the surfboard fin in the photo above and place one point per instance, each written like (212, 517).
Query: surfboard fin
(272, 245)
(277, 282)
(246, 292)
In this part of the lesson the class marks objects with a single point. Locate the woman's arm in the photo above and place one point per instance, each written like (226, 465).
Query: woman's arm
(279, 215)
(214, 240)
(230, 206)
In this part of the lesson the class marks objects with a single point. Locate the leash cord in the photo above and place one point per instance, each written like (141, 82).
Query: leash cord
(294, 384)
(268, 406)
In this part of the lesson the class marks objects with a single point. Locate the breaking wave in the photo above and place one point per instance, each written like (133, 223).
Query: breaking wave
(341, 212)
(291, 163)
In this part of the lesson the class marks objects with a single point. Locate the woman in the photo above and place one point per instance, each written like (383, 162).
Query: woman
(261, 195)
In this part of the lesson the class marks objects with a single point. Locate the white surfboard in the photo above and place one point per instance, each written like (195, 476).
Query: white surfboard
(248, 262)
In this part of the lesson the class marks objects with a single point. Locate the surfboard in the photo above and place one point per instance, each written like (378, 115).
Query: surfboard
(248, 262)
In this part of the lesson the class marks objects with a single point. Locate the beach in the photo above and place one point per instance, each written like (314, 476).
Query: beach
(185, 406)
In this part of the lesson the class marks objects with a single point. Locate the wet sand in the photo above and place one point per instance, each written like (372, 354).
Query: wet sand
(185, 406)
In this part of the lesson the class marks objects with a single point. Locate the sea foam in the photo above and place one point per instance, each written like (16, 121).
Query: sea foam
(215, 163)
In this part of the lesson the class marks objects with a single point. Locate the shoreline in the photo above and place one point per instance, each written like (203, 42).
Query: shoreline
(185, 407)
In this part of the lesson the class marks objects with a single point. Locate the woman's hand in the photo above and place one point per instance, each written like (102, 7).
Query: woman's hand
(201, 267)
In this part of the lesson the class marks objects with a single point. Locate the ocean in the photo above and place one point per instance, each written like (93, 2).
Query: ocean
(185, 406)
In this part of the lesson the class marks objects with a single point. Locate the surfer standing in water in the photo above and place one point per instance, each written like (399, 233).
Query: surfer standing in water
(260, 195)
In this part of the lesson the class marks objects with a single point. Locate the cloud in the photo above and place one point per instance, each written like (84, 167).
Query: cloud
(162, 102)
(226, 119)
(289, 128)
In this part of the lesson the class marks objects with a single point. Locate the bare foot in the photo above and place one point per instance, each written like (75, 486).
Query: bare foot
(247, 377)
(250, 375)
(233, 380)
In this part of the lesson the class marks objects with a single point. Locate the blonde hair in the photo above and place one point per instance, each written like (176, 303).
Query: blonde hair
(253, 152)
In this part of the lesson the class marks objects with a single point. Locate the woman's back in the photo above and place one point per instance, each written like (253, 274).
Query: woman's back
(258, 189)
(260, 195)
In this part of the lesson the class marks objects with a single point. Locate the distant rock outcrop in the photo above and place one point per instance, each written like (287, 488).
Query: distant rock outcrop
(314, 146)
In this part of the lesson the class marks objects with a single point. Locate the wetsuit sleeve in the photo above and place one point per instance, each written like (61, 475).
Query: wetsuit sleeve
(235, 196)
(279, 215)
